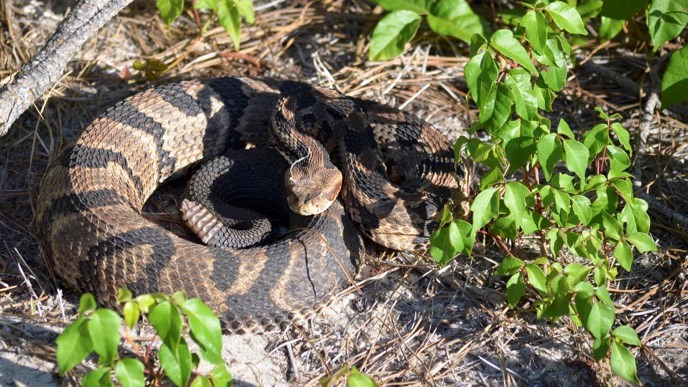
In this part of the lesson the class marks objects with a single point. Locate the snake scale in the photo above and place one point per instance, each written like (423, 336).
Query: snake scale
(395, 172)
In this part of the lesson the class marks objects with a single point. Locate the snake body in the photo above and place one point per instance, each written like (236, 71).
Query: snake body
(396, 172)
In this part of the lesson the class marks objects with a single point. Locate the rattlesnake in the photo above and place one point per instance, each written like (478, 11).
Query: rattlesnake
(395, 173)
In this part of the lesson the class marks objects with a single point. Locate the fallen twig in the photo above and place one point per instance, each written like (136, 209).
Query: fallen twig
(47, 66)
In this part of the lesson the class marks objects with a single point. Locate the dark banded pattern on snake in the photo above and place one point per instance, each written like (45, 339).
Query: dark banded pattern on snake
(90, 200)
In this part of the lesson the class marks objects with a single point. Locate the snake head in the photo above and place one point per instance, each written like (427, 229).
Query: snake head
(311, 193)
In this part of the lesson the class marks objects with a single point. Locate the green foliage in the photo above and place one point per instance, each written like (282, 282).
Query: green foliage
(353, 377)
(666, 19)
(675, 80)
(445, 17)
(570, 192)
(100, 330)
(229, 13)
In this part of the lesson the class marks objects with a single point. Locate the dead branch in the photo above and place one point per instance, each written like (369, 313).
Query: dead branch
(47, 66)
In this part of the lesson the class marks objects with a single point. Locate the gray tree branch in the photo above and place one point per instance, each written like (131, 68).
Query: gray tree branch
(47, 66)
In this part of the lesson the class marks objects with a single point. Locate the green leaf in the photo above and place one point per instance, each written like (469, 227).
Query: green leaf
(603, 295)
(544, 94)
(618, 159)
(466, 231)
(589, 9)
(562, 200)
(205, 329)
(99, 377)
(595, 182)
(582, 208)
(596, 139)
(555, 77)
(446, 243)
(549, 152)
(675, 79)
(144, 302)
(576, 273)
(481, 76)
(502, 109)
(456, 18)
(599, 320)
(566, 17)
(609, 28)
(358, 379)
(131, 313)
(177, 367)
(611, 227)
(665, 20)
(623, 363)
(515, 289)
(556, 242)
(201, 381)
(622, 9)
(123, 295)
(623, 135)
(515, 195)
(565, 130)
(420, 7)
(518, 81)
(484, 208)
(220, 376)
(623, 254)
(642, 241)
(73, 345)
(245, 8)
(600, 275)
(576, 157)
(87, 303)
(169, 9)
(624, 188)
(504, 42)
(519, 150)
(230, 19)
(392, 33)
(509, 266)
(600, 348)
(167, 321)
(130, 373)
(535, 24)
(536, 277)
(638, 209)
(627, 335)
(104, 330)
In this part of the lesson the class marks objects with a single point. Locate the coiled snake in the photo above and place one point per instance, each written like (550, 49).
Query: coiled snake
(395, 172)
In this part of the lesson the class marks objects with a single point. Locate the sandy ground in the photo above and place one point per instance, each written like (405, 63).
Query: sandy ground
(408, 325)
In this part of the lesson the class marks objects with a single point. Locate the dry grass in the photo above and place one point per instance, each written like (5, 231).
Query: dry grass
(412, 323)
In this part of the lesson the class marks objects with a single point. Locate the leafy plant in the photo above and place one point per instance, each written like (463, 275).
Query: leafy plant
(229, 13)
(445, 17)
(100, 330)
(572, 195)
(666, 20)
(354, 378)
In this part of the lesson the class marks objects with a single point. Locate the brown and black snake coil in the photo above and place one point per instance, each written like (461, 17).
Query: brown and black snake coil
(396, 173)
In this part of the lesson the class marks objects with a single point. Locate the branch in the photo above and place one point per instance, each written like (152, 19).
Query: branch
(47, 66)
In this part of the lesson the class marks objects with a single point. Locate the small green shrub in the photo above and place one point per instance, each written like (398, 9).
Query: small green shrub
(445, 17)
(573, 195)
(229, 13)
(100, 330)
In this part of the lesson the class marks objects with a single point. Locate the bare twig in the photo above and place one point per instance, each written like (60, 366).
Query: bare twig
(47, 66)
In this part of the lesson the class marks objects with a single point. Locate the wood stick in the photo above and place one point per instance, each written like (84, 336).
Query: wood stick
(47, 66)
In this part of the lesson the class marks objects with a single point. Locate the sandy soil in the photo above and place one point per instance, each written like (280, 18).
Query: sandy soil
(411, 324)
